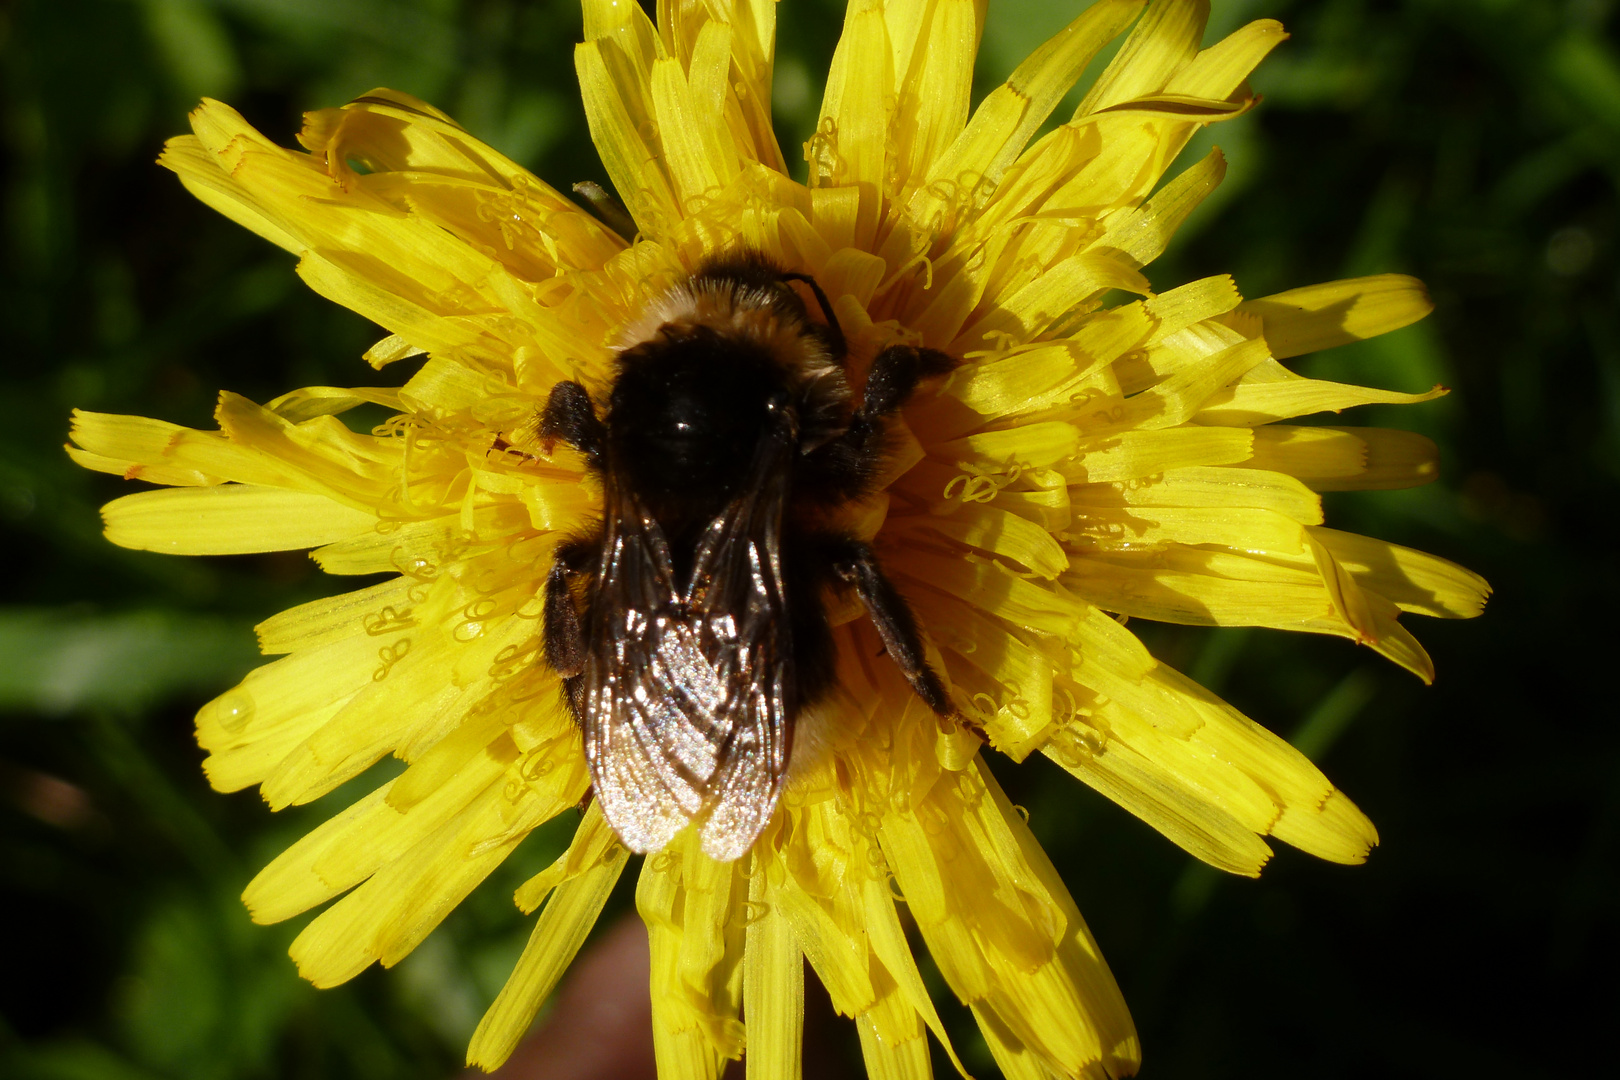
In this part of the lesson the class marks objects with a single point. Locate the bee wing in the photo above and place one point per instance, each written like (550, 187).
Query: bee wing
(737, 587)
(688, 694)
(639, 736)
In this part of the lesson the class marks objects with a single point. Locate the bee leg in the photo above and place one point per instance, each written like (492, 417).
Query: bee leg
(855, 563)
(564, 637)
(894, 376)
(570, 416)
(890, 382)
(844, 467)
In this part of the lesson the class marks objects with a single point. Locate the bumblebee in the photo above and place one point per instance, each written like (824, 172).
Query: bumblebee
(690, 630)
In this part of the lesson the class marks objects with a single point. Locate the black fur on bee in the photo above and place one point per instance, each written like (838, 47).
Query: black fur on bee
(689, 629)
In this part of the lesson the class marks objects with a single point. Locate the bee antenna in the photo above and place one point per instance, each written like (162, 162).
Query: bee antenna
(826, 307)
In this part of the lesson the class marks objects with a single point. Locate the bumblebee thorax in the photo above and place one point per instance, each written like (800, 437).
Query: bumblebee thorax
(693, 395)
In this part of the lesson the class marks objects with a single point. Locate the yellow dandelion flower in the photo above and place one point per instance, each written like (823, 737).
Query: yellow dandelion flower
(1083, 462)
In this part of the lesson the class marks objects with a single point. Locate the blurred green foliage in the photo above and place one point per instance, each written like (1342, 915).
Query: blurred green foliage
(1475, 143)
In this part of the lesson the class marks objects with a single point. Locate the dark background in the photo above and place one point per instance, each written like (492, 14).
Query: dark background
(1475, 143)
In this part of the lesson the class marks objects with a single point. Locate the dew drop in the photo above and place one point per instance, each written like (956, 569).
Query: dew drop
(232, 712)
(1570, 251)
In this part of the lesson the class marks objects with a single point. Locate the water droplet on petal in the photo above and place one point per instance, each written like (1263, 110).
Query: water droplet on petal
(231, 712)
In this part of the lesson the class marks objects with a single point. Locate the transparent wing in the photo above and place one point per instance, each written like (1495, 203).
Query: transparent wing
(689, 687)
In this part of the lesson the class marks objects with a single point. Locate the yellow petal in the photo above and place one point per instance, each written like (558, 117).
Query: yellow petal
(414, 547)
(1210, 587)
(1178, 309)
(1150, 792)
(693, 908)
(199, 170)
(380, 609)
(890, 948)
(730, 67)
(684, 1054)
(308, 402)
(319, 453)
(1210, 488)
(611, 82)
(1350, 602)
(773, 990)
(1139, 236)
(230, 519)
(999, 532)
(290, 884)
(1230, 588)
(1079, 973)
(1213, 765)
(1033, 307)
(1131, 455)
(352, 846)
(1219, 71)
(410, 671)
(388, 261)
(557, 937)
(1038, 377)
(1029, 445)
(1346, 459)
(385, 918)
(854, 121)
(1214, 788)
(990, 588)
(1015, 1060)
(1001, 927)
(838, 957)
(893, 1061)
(934, 45)
(593, 844)
(141, 449)
(1161, 44)
(1336, 830)
(1201, 587)
(1415, 581)
(157, 474)
(250, 729)
(1105, 528)
(1338, 312)
(697, 152)
(422, 162)
(1004, 679)
(1190, 391)
(1249, 404)
(1005, 120)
